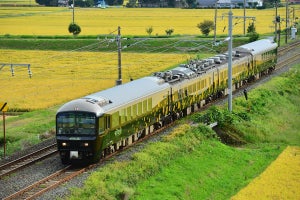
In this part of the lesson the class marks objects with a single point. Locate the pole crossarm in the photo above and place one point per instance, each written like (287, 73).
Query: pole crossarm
(12, 65)
(238, 17)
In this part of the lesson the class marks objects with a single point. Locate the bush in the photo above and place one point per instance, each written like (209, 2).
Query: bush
(74, 28)
(206, 26)
(149, 30)
(169, 31)
(253, 36)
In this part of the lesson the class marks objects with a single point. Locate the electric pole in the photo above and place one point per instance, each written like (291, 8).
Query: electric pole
(119, 81)
(286, 20)
(215, 29)
(73, 6)
(244, 17)
(230, 39)
(276, 20)
(230, 61)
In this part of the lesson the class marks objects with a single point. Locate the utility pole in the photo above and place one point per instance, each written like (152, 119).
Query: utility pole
(230, 61)
(276, 19)
(119, 81)
(286, 20)
(215, 28)
(3, 109)
(244, 17)
(73, 7)
(230, 39)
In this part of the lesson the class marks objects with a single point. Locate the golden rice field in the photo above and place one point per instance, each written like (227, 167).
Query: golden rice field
(18, 2)
(62, 76)
(94, 21)
(281, 180)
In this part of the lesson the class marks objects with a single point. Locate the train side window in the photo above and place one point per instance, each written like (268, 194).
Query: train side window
(101, 124)
(107, 121)
(149, 104)
(140, 108)
(134, 110)
(145, 106)
(115, 119)
(104, 123)
(129, 113)
(123, 115)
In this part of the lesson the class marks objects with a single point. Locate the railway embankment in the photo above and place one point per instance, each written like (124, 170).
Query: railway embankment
(192, 162)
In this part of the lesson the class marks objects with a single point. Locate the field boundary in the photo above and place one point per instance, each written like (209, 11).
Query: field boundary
(279, 181)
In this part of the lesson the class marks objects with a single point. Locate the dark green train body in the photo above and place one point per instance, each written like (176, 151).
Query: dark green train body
(98, 124)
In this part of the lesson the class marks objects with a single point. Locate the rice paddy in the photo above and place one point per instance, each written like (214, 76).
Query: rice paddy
(61, 76)
(95, 21)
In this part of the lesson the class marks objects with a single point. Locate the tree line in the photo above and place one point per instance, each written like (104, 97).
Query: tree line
(140, 3)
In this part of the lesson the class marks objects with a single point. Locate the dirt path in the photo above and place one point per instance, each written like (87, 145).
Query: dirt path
(281, 180)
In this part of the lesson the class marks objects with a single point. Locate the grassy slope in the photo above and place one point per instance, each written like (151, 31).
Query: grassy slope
(192, 164)
(137, 44)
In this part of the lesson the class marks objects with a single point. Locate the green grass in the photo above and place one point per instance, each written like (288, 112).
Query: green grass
(27, 129)
(193, 164)
(135, 44)
(211, 171)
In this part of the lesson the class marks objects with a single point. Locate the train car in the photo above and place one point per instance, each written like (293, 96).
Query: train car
(96, 125)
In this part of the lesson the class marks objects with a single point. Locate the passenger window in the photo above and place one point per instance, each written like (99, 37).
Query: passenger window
(101, 125)
(115, 120)
(149, 104)
(140, 108)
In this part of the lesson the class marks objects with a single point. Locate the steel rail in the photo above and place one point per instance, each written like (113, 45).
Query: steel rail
(282, 50)
(48, 183)
(26, 160)
(288, 61)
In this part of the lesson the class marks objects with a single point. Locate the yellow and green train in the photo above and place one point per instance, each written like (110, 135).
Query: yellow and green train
(93, 126)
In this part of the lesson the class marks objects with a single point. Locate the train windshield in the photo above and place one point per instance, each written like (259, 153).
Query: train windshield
(76, 123)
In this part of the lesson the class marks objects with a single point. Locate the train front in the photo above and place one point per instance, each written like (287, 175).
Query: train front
(77, 132)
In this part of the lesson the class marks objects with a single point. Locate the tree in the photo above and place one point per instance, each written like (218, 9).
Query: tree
(191, 3)
(149, 30)
(251, 32)
(206, 26)
(74, 28)
(47, 2)
(169, 31)
(251, 28)
(131, 4)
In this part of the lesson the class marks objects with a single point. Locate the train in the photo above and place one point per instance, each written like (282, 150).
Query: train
(98, 124)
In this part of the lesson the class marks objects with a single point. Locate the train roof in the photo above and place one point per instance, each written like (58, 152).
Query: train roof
(112, 98)
(258, 47)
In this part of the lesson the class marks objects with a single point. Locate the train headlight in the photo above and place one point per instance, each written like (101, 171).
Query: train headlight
(86, 144)
(64, 144)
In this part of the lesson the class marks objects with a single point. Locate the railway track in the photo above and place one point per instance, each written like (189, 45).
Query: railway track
(292, 60)
(47, 183)
(285, 49)
(26, 160)
(54, 180)
(68, 173)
